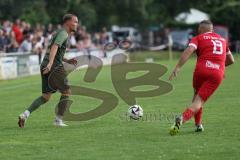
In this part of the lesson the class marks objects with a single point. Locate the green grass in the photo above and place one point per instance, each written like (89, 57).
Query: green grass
(112, 137)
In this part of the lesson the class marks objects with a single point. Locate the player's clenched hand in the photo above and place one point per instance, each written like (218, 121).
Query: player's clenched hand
(72, 61)
(47, 69)
(174, 73)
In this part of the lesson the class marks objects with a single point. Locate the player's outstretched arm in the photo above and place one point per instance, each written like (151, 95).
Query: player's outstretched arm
(229, 59)
(183, 59)
(53, 52)
(72, 61)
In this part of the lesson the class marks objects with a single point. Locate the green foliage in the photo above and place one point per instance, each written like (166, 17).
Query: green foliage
(10, 9)
(85, 12)
(36, 13)
(141, 13)
(56, 9)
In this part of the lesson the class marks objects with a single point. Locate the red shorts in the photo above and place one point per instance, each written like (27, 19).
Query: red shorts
(205, 82)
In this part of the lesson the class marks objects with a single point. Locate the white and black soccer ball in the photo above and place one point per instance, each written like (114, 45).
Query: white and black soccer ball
(135, 112)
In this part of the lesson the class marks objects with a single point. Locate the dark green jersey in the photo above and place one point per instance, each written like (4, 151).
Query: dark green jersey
(60, 39)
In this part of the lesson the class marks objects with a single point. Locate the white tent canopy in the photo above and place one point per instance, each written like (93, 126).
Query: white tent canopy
(194, 16)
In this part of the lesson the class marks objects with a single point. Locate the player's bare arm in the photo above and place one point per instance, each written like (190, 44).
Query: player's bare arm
(184, 57)
(229, 59)
(72, 61)
(52, 55)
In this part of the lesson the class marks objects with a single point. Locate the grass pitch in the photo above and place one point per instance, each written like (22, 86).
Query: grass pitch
(113, 136)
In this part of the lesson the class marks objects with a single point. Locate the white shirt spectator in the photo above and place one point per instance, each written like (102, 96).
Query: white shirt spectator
(72, 40)
(38, 45)
(26, 46)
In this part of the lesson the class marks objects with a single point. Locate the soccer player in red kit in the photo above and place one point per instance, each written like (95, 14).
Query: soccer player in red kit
(213, 55)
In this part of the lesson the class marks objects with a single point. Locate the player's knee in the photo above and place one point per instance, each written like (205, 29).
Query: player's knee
(195, 109)
(46, 97)
(197, 103)
(66, 92)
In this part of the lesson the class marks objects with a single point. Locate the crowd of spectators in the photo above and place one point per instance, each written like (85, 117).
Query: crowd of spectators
(21, 37)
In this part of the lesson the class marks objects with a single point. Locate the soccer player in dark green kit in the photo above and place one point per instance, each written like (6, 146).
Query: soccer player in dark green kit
(52, 62)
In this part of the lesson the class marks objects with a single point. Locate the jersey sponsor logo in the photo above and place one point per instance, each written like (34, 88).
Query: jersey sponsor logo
(213, 38)
(212, 65)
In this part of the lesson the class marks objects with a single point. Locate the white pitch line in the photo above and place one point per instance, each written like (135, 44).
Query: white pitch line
(18, 86)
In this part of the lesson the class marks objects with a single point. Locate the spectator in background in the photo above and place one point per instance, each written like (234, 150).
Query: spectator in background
(49, 32)
(49, 29)
(23, 25)
(22, 37)
(27, 30)
(5, 40)
(79, 45)
(7, 26)
(87, 44)
(104, 36)
(13, 45)
(81, 33)
(17, 31)
(38, 33)
(38, 48)
(103, 40)
(72, 41)
(96, 40)
(2, 45)
(45, 44)
(26, 45)
(59, 26)
(83, 40)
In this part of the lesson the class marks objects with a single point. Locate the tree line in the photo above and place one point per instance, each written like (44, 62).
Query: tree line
(140, 13)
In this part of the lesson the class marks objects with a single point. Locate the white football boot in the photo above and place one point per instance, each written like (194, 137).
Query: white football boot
(58, 122)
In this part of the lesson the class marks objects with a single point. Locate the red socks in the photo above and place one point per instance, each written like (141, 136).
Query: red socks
(198, 117)
(187, 114)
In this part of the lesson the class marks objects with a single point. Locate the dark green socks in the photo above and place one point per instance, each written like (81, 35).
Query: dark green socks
(36, 104)
(62, 105)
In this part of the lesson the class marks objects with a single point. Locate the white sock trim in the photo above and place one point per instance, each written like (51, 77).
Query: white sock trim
(26, 113)
(59, 118)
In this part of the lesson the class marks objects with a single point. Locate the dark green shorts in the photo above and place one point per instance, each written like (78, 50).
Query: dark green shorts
(55, 80)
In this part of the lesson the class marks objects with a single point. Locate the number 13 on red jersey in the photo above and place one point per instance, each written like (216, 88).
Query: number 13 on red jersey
(217, 47)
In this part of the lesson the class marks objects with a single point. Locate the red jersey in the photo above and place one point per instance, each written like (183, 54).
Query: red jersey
(18, 34)
(211, 51)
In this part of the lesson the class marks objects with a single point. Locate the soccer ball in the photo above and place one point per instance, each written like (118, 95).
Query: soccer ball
(135, 112)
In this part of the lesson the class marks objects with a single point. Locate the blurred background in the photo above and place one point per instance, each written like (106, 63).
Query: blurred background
(154, 26)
